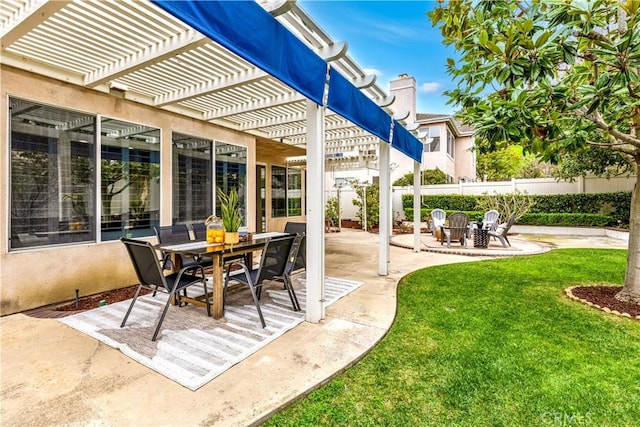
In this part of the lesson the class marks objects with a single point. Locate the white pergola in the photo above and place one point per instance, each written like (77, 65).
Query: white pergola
(136, 48)
(144, 54)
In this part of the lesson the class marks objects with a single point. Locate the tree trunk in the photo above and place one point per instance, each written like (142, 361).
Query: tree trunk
(631, 291)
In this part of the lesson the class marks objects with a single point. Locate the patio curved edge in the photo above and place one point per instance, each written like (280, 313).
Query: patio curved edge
(319, 384)
(372, 307)
(518, 247)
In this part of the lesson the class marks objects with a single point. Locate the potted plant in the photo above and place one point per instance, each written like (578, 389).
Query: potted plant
(231, 218)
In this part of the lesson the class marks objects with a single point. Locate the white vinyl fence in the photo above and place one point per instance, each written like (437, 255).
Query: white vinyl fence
(530, 186)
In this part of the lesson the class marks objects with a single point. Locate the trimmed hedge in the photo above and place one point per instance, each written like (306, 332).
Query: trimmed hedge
(447, 202)
(425, 214)
(559, 219)
(617, 205)
(587, 210)
(567, 219)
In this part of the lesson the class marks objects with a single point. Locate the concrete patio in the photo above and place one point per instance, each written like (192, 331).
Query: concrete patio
(53, 375)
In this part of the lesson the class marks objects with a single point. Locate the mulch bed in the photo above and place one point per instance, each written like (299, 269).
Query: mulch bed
(92, 301)
(603, 297)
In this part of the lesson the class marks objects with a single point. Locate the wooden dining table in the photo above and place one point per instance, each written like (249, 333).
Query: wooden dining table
(218, 252)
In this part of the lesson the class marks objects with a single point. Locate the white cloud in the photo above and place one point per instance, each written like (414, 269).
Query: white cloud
(430, 87)
(375, 71)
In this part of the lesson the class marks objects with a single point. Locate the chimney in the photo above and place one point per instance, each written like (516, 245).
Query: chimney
(404, 90)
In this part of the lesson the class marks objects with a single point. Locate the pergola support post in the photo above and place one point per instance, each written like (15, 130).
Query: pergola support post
(385, 216)
(417, 204)
(315, 212)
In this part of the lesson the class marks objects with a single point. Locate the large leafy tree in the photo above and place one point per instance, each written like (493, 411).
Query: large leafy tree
(502, 164)
(427, 177)
(559, 78)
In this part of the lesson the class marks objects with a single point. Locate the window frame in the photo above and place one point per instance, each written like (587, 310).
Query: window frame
(290, 193)
(279, 211)
(138, 226)
(70, 215)
(434, 145)
(451, 144)
(86, 127)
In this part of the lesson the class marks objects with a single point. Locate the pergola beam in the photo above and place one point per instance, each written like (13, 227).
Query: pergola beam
(294, 132)
(277, 7)
(210, 87)
(252, 106)
(355, 141)
(146, 57)
(365, 82)
(27, 18)
(386, 101)
(334, 51)
(328, 53)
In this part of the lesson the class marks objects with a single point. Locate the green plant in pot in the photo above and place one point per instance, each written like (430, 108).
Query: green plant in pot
(230, 215)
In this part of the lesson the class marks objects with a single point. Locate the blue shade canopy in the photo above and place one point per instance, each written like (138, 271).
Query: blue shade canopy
(249, 31)
(348, 101)
(406, 143)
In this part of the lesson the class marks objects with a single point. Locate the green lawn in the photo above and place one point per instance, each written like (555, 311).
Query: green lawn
(493, 343)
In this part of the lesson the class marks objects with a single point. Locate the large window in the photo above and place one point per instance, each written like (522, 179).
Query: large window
(192, 178)
(433, 140)
(194, 197)
(451, 144)
(231, 173)
(52, 173)
(54, 182)
(130, 179)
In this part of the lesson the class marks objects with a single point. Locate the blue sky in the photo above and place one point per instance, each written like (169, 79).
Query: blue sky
(390, 38)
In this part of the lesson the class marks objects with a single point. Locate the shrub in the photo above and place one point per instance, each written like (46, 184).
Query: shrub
(427, 177)
(567, 219)
(372, 205)
(453, 202)
(331, 211)
(590, 210)
(507, 204)
(617, 205)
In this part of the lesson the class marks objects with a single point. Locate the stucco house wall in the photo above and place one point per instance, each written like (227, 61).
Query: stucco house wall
(35, 277)
(465, 158)
(462, 164)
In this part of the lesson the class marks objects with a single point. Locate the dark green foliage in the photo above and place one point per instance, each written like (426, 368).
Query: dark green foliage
(588, 210)
(428, 177)
(616, 205)
(568, 219)
(372, 205)
(447, 202)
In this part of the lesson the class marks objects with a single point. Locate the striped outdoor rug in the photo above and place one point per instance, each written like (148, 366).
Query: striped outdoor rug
(192, 348)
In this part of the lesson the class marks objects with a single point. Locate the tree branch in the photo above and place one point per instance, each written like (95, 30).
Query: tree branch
(593, 35)
(523, 10)
(619, 147)
(600, 123)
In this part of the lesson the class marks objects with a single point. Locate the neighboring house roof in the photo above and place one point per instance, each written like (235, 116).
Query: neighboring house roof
(458, 128)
